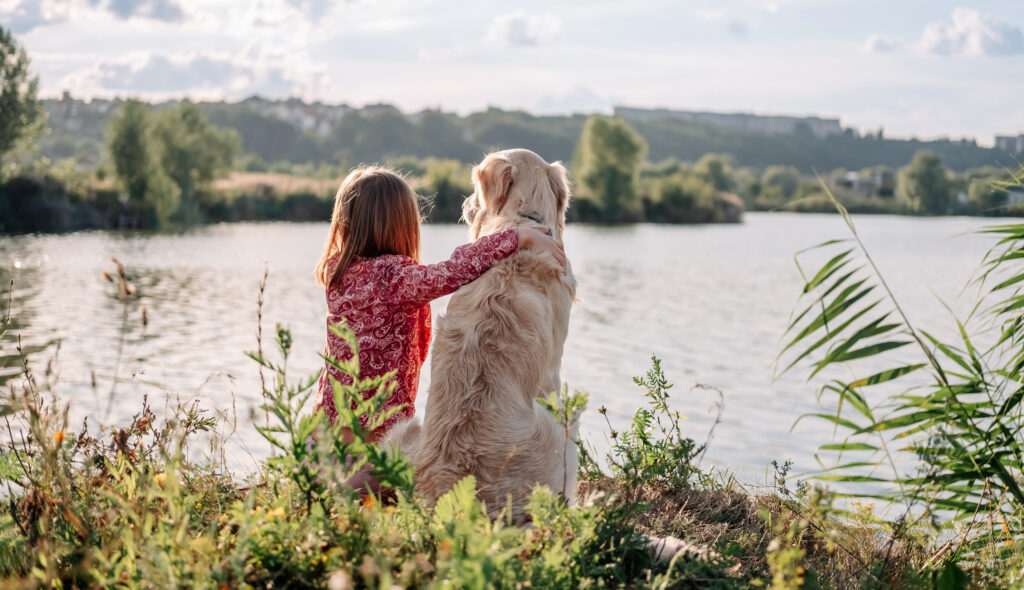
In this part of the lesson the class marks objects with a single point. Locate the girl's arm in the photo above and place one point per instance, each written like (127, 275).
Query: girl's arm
(413, 284)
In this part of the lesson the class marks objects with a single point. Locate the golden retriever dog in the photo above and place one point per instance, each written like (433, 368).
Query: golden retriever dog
(498, 349)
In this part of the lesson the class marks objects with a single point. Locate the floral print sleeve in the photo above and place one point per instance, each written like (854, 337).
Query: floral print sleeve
(412, 285)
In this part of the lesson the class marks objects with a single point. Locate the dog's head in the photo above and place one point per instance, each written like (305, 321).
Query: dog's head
(517, 187)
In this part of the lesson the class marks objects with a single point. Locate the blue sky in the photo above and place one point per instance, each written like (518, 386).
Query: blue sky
(913, 67)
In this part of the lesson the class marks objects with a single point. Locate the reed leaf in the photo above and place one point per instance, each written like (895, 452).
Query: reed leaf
(957, 406)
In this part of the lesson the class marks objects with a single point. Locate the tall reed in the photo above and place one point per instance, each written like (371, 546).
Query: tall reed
(955, 405)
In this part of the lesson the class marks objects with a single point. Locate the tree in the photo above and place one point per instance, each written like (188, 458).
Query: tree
(446, 184)
(986, 195)
(607, 164)
(20, 112)
(136, 159)
(717, 169)
(162, 159)
(785, 178)
(192, 151)
(925, 184)
(441, 136)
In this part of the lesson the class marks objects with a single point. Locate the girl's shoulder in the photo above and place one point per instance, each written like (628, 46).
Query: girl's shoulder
(385, 262)
(377, 267)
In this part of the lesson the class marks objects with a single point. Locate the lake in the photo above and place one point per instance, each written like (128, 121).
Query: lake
(712, 301)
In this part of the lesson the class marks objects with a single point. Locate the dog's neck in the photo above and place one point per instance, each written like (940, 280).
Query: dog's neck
(498, 223)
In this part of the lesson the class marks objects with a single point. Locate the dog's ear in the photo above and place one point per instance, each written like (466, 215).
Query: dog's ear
(492, 179)
(558, 176)
(470, 209)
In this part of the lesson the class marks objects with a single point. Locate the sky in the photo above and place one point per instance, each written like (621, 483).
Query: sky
(923, 68)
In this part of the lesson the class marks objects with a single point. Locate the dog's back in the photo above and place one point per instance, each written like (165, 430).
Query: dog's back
(498, 348)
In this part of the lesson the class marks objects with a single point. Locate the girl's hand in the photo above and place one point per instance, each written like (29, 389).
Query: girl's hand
(541, 241)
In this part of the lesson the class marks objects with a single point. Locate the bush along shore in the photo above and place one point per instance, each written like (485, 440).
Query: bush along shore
(150, 504)
(49, 203)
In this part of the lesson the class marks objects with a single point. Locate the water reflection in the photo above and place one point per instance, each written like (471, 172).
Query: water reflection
(20, 284)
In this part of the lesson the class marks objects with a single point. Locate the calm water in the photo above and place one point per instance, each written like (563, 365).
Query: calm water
(712, 301)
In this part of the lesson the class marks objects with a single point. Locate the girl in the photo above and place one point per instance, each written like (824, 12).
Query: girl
(370, 269)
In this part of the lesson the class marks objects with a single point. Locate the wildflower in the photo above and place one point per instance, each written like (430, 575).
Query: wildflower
(614, 435)
(340, 580)
(276, 513)
(369, 567)
(368, 501)
(223, 518)
(800, 570)
(58, 437)
(160, 479)
(602, 410)
(199, 505)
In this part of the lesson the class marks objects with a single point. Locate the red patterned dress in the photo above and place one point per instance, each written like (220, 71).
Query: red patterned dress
(386, 300)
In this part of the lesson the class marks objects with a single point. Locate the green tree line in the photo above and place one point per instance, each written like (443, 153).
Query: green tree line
(378, 133)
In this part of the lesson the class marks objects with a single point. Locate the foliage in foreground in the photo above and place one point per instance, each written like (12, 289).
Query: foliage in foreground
(956, 406)
(140, 507)
(135, 507)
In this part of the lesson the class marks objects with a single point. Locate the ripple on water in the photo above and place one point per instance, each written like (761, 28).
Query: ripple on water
(711, 301)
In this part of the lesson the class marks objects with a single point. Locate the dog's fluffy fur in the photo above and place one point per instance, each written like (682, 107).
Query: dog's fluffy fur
(498, 349)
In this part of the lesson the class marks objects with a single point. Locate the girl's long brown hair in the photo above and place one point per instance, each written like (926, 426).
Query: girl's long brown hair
(375, 213)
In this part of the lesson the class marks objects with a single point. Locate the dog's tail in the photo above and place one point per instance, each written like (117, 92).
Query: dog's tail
(406, 436)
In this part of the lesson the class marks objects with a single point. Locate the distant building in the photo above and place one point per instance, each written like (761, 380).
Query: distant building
(1010, 143)
(315, 117)
(878, 182)
(767, 124)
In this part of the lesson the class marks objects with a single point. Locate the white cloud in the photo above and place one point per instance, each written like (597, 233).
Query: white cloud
(738, 28)
(311, 9)
(22, 16)
(968, 34)
(207, 75)
(164, 10)
(511, 30)
(577, 100)
(882, 44)
(972, 34)
(518, 29)
(710, 14)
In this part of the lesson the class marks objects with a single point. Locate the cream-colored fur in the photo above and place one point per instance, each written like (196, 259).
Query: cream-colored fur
(498, 349)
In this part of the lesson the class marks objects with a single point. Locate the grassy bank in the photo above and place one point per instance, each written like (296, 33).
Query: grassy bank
(151, 504)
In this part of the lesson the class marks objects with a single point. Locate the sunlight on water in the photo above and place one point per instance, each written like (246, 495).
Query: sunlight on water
(711, 301)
